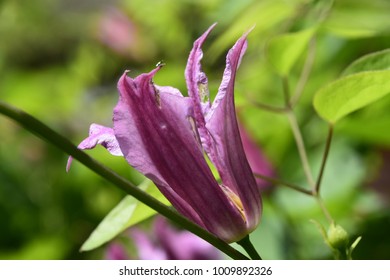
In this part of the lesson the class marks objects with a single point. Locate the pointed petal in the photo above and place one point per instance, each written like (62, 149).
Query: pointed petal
(99, 135)
(197, 86)
(231, 162)
(155, 137)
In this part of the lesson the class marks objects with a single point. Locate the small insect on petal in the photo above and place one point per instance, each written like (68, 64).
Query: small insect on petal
(160, 63)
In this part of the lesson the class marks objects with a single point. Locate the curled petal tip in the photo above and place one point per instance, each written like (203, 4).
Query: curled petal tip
(213, 25)
(249, 31)
(123, 77)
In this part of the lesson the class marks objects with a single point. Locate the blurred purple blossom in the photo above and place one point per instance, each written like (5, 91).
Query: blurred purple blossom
(117, 31)
(257, 160)
(116, 251)
(164, 243)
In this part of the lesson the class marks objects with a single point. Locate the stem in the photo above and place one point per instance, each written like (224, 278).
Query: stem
(283, 183)
(41, 130)
(269, 107)
(305, 73)
(324, 159)
(323, 208)
(266, 107)
(301, 148)
(297, 133)
(286, 92)
(249, 248)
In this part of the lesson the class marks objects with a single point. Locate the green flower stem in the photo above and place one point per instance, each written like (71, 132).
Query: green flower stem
(301, 148)
(324, 158)
(249, 248)
(305, 72)
(323, 208)
(267, 107)
(297, 132)
(283, 183)
(286, 93)
(43, 131)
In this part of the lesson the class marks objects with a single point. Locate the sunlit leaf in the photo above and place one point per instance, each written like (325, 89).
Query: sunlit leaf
(128, 212)
(374, 61)
(283, 51)
(141, 211)
(264, 15)
(350, 93)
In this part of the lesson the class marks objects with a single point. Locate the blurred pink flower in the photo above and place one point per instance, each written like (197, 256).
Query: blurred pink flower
(122, 35)
(117, 32)
(165, 243)
(116, 251)
(256, 159)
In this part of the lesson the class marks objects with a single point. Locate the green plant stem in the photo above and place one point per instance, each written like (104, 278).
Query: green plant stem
(269, 108)
(301, 148)
(43, 131)
(324, 159)
(266, 107)
(297, 133)
(249, 248)
(323, 208)
(283, 183)
(305, 73)
(286, 93)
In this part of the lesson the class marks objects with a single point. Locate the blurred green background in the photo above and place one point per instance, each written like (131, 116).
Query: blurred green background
(60, 61)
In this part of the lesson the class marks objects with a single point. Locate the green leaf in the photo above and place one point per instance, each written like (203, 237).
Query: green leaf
(141, 211)
(128, 212)
(284, 50)
(350, 93)
(264, 15)
(371, 62)
(359, 19)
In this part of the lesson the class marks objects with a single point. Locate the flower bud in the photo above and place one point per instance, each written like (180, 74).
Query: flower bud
(337, 237)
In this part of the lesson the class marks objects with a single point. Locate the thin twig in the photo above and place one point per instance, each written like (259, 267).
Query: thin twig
(283, 183)
(269, 107)
(297, 133)
(305, 73)
(301, 148)
(324, 159)
(266, 107)
(286, 92)
(323, 208)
